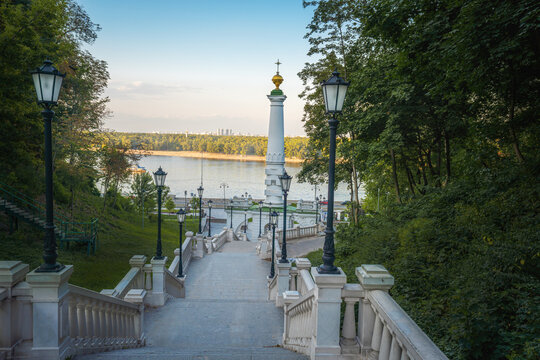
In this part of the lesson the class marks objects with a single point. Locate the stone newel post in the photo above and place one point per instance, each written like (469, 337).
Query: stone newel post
(283, 280)
(371, 277)
(328, 309)
(50, 313)
(158, 295)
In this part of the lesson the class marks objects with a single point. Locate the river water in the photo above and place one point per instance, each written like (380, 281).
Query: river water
(241, 176)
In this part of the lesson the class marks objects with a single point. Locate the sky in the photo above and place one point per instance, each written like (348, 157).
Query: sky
(200, 65)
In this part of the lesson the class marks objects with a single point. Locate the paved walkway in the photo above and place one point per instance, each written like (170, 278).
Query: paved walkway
(225, 314)
(302, 247)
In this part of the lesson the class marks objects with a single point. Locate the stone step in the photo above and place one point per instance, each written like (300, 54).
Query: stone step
(226, 353)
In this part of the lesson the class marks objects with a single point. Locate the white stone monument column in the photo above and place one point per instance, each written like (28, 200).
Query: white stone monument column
(275, 152)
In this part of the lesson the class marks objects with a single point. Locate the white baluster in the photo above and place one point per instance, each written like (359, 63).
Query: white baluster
(384, 352)
(73, 324)
(395, 349)
(96, 323)
(81, 320)
(89, 320)
(376, 339)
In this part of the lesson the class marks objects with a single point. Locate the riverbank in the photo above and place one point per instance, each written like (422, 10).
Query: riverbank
(213, 156)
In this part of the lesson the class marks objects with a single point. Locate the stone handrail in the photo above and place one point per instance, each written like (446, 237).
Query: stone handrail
(174, 285)
(272, 288)
(298, 328)
(219, 240)
(187, 252)
(394, 334)
(298, 232)
(385, 331)
(135, 278)
(98, 322)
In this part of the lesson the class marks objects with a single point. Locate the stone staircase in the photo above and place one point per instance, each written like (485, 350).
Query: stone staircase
(26, 215)
(225, 314)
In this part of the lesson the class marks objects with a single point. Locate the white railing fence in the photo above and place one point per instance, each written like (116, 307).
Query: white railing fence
(299, 321)
(381, 331)
(298, 232)
(45, 317)
(97, 322)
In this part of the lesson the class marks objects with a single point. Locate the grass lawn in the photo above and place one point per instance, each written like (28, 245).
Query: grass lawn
(120, 237)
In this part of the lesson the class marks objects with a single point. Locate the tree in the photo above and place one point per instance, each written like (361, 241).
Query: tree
(143, 192)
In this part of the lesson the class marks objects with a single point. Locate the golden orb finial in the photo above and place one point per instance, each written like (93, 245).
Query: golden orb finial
(277, 79)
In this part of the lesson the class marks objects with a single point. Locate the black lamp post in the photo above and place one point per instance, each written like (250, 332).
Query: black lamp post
(231, 212)
(273, 222)
(209, 216)
(334, 91)
(181, 215)
(316, 206)
(48, 81)
(159, 178)
(245, 221)
(285, 181)
(200, 190)
(260, 216)
(185, 199)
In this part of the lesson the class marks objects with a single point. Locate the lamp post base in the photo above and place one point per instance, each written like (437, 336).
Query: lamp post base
(332, 270)
(57, 267)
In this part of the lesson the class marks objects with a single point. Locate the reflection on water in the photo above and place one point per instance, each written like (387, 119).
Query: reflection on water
(241, 176)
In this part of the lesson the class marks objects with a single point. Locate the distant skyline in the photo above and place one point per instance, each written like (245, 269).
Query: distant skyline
(200, 65)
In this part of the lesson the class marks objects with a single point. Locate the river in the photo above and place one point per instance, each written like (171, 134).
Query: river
(241, 176)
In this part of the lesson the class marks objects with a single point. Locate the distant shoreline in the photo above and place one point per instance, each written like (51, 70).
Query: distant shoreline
(212, 156)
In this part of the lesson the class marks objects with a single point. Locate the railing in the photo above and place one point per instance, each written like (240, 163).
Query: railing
(187, 254)
(219, 240)
(386, 332)
(138, 277)
(394, 335)
(25, 202)
(299, 322)
(298, 232)
(272, 288)
(86, 232)
(98, 322)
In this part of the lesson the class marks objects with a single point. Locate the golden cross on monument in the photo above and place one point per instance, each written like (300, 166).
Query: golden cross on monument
(278, 63)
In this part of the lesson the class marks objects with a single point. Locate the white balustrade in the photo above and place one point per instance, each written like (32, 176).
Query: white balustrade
(219, 240)
(384, 330)
(98, 322)
(299, 321)
(298, 232)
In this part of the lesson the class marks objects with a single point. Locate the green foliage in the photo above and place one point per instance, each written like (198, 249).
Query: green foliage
(466, 263)
(440, 125)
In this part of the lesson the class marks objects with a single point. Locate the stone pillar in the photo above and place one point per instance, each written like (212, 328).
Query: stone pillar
(283, 281)
(158, 295)
(12, 317)
(137, 297)
(199, 247)
(138, 261)
(328, 313)
(209, 245)
(50, 313)
(371, 277)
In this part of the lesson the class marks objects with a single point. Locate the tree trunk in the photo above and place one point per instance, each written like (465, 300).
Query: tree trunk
(447, 153)
(394, 175)
(412, 184)
(515, 142)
